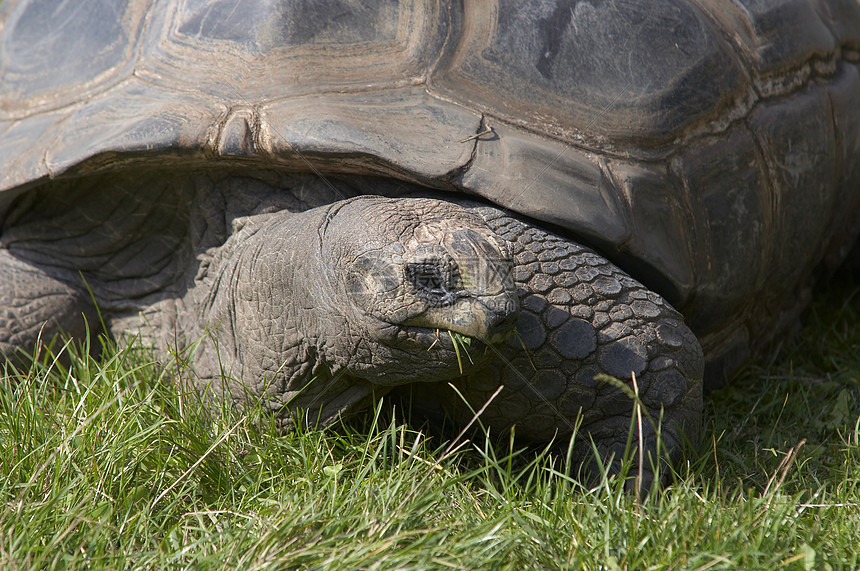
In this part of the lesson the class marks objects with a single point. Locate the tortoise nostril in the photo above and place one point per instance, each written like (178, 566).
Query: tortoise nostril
(501, 320)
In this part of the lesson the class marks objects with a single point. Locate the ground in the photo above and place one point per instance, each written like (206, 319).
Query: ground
(106, 465)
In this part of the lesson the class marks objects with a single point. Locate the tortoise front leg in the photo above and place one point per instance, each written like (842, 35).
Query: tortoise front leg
(40, 302)
(582, 317)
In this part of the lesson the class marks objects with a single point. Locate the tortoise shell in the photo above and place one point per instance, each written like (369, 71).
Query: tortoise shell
(709, 148)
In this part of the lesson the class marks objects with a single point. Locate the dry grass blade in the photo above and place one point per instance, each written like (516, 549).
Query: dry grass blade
(782, 469)
(641, 453)
(450, 448)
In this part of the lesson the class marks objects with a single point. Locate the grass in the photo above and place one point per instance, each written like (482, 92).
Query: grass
(106, 465)
(459, 340)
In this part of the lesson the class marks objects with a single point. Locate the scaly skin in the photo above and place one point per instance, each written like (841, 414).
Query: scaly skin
(355, 321)
(581, 316)
(30, 298)
(321, 308)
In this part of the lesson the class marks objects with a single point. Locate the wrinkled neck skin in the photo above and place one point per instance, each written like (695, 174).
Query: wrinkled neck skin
(267, 307)
(322, 308)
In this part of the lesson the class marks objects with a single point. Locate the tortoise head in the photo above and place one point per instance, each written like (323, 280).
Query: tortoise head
(412, 269)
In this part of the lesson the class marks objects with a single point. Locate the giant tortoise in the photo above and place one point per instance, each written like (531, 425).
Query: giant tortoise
(481, 205)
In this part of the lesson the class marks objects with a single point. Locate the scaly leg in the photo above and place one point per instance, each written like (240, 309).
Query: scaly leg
(39, 302)
(581, 317)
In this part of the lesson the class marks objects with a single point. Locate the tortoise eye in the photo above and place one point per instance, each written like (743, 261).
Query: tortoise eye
(432, 282)
(426, 278)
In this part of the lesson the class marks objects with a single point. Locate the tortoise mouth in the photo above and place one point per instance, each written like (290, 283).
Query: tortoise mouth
(439, 342)
(444, 338)
(426, 354)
